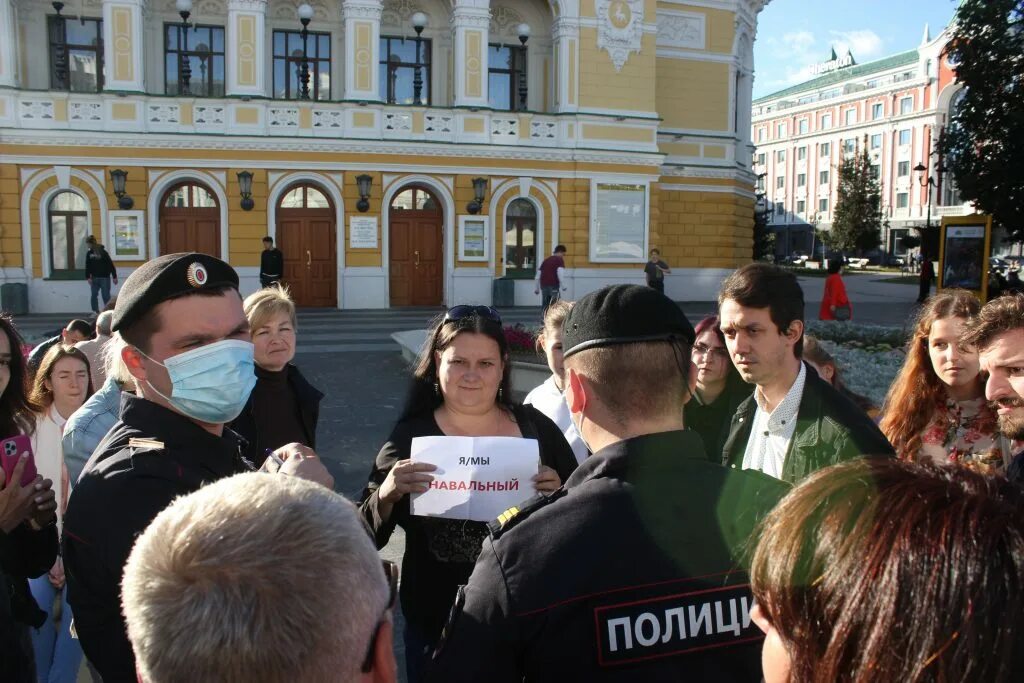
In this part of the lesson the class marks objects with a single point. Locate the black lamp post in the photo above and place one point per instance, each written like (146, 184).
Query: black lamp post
(363, 183)
(419, 22)
(479, 188)
(60, 52)
(184, 8)
(929, 182)
(305, 14)
(245, 189)
(524, 35)
(119, 178)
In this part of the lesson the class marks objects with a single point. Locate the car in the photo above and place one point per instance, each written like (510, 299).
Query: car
(998, 264)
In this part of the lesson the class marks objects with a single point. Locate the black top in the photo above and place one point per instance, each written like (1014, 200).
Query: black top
(271, 264)
(440, 553)
(653, 271)
(631, 572)
(35, 358)
(122, 488)
(283, 408)
(1015, 470)
(711, 420)
(98, 263)
(24, 554)
(829, 429)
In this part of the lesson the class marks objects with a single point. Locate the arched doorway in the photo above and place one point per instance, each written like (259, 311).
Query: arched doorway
(416, 268)
(189, 220)
(306, 234)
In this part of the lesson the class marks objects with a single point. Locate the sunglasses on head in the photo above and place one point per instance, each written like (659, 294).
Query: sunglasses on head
(391, 572)
(464, 311)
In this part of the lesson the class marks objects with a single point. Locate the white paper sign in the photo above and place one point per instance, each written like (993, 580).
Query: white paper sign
(362, 232)
(477, 478)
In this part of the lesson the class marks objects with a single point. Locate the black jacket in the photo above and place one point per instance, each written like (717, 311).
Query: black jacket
(24, 554)
(98, 263)
(271, 265)
(829, 429)
(149, 458)
(631, 572)
(440, 553)
(308, 398)
(711, 420)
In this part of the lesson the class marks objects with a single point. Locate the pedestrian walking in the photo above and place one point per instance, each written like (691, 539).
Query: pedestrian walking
(550, 277)
(271, 263)
(925, 278)
(835, 304)
(99, 271)
(655, 271)
(188, 351)
(614, 577)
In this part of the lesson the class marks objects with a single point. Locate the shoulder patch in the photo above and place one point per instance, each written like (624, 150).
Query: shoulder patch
(145, 444)
(517, 513)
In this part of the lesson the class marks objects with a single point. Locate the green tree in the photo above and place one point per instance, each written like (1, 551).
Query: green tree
(984, 143)
(764, 238)
(858, 217)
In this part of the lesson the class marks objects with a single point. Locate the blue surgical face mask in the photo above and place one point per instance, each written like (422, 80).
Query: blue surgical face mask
(212, 383)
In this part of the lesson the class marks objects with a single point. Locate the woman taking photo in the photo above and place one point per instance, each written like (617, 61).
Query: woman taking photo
(881, 570)
(28, 533)
(283, 408)
(835, 305)
(548, 397)
(720, 389)
(936, 410)
(460, 387)
(61, 386)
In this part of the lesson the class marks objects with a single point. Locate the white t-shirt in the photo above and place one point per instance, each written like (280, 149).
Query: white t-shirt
(771, 432)
(549, 400)
(48, 451)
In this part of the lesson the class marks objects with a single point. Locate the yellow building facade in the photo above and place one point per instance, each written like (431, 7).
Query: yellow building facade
(393, 167)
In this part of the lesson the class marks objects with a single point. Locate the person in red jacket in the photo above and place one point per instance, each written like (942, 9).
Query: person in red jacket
(835, 305)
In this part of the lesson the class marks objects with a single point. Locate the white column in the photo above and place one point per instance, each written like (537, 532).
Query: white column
(246, 48)
(8, 45)
(362, 49)
(566, 36)
(471, 21)
(123, 45)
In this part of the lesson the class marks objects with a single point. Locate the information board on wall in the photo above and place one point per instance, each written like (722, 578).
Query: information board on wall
(619, 222)
(964, 254)
(362, 232)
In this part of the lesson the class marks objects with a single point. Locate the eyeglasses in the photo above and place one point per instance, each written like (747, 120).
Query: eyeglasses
(713, 351)
(464, 311)
(391, 572)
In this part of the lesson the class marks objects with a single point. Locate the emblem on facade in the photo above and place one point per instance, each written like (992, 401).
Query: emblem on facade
(196, 275)
(619, 28)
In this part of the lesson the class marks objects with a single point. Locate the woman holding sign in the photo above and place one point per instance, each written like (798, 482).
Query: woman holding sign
(461, 387)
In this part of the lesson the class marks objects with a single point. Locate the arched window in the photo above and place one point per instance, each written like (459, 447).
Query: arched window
(304, 197)
(190, 197)
(520, 239)
(414, 199)
(68, 219)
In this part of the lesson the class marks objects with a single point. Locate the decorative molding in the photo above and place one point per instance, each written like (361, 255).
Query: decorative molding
(686, 30)
(283, 117)
(63, 174)
(505, 126)
(247, 6)
(321, 12)
(362, 9)
(168, 114)
(471, 17)
(85, 111)
(399, 13)
(504, 21)
(620, 28)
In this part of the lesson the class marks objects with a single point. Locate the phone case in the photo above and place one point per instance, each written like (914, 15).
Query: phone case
(10, 450)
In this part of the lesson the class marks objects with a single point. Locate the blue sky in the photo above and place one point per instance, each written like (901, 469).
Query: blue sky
(793, 34)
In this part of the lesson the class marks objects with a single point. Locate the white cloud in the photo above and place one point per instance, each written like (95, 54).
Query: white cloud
(865, 44)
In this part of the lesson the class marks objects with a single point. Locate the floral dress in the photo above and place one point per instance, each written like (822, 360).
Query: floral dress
(966, 433)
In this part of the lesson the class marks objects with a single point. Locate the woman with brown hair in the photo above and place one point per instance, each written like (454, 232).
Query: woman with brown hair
(61, 386)
(881, 570)
(936, 409)
(461, 387)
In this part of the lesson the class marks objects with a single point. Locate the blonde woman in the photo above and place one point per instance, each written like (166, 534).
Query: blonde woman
(283, 407)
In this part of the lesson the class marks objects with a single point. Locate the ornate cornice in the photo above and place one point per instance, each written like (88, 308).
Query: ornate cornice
(259, 6)
(471, 17)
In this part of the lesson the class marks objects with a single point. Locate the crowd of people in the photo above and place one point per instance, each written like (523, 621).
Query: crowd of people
(710, 502)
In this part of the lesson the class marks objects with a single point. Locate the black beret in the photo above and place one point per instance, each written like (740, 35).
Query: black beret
(168, 277)
(622, 314)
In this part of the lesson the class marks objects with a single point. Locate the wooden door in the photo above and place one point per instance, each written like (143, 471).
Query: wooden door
(308, 240)
(416, 258)
(184, 230)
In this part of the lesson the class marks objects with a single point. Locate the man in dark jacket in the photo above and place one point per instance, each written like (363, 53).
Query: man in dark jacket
(632, 571)
(271, 263)
(76, 331)
(99, 271)
(795, 422)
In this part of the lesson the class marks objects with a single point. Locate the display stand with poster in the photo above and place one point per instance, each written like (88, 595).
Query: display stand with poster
(964, 247)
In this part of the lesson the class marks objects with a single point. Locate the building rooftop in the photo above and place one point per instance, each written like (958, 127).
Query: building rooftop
(907, 58)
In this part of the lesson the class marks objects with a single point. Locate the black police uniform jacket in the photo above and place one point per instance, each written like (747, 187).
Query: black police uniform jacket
(829, 429)
(149, 458)
(630, 572)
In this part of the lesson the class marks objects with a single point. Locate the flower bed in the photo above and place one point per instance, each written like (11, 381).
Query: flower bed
(867, 370)
(859, 335)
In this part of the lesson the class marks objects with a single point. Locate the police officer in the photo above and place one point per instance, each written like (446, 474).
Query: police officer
(188, 350)
(632, 571)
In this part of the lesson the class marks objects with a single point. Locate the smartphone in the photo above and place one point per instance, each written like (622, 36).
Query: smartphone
(10, 450)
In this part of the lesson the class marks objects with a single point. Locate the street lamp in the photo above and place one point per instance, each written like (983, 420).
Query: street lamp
(60, 51)
(184, 8)
(119, 178)
(479, 188)
(245, 189)
(524, 35)
(305, 13)
(929, 182)
(419, 22)
(363, 183)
